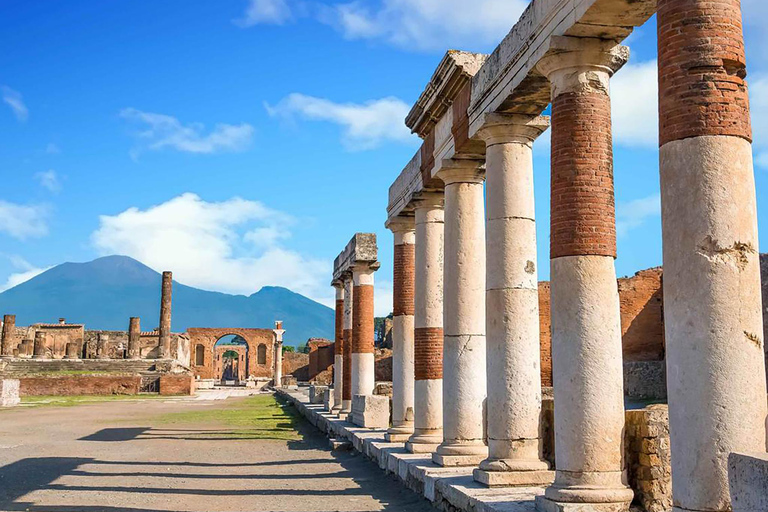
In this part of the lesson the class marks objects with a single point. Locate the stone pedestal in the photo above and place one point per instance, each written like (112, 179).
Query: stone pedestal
(40, 347)
(101, 347)
(316, 394)
(9, 393)
(370, 411)
(512, 306)
(402, 330)
(586, 324)
(164, 342)
(72, 350)
(713, 324)
(464, 378)
(329, 400)
(428, 326)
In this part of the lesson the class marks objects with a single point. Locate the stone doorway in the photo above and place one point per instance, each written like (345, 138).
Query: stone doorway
(231, 360)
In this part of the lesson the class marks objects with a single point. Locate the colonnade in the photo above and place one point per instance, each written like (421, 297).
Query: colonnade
(466, 376)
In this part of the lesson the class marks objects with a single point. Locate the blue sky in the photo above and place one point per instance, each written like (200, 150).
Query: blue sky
(241, 143)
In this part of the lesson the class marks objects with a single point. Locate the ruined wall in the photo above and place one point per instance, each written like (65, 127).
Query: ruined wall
(260, 342)
(177, 384)
(218, 364)
(545, 334)
(320, 360)
(297, 365)
(80, 385)
(648, 457)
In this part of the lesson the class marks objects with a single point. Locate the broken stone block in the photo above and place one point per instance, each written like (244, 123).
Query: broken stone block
(328, 399)
(748, 481)
(370, 411)
(316, 394)
(9, 393)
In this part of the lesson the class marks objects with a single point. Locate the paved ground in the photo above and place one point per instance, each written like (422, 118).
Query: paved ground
(126, 457)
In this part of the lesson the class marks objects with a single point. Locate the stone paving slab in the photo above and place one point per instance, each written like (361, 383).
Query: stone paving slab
(448, 488)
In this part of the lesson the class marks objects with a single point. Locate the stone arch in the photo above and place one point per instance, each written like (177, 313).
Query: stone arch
(208, 336)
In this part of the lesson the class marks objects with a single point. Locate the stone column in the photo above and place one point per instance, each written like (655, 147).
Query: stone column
(41, 340)
(512, 305)
(363, 372)
(134, 338)
(338, 347)
(9, 330)
(165, 315)
(586, 324)
(428, 326)
(102, 346)
(463, 316)
(712, 305)
(72, 350)
(278, 331)
(403, 230)
(346, 390)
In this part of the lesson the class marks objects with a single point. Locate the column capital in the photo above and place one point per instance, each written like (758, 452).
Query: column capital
(461, 171)
(401, 225)
(429, 200)
(362, 273)
(338, 283)
(577, 64)
(501, 128)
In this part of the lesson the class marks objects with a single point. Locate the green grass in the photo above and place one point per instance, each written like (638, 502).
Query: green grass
(69, 401)
(256, 417)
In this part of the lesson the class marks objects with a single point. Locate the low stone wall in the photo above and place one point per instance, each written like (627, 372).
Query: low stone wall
(648, 457)
(177, 384)
(65, 385)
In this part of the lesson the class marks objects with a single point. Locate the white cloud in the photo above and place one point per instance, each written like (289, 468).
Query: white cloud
(164, 131)
(214, 246)
(49, 180)
(275, 12)
(15, 102)
(26, 272)
(366, 125)
(426, 24)
(634, 213)
(23, 221)
(635, 105)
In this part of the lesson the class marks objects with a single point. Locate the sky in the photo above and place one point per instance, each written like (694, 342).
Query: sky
(241, 143)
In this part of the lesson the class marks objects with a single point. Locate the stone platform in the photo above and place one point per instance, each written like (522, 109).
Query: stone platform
(449, 488)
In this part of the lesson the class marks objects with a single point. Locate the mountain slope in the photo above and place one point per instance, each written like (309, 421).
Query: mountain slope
(105, 292)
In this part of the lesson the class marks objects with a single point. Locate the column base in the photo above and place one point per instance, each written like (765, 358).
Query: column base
(536, 478)
(457, 460)
(544, 504)
(470, 453)
(396, 437)
(421, 447)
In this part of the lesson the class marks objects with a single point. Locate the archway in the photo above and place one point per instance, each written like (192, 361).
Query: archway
(257, 364)
(231, 360)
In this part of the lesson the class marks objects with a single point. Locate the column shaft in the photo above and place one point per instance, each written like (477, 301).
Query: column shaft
(586, 324)
(41, 340)
(428, 326)
(346, 398)
(9, 330)
(338, 348)
(512, 306)
(134, 338)
(402, 331)
(165, 316)
(363, 373)
(712, 305)
(464, 316)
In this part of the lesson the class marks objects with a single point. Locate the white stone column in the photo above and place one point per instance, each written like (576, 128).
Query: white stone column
(512, 305)
(712, 304)
(363, 371)
(463, 316)
(403, 230)
(346, 390)
(586, 323)
(338, 347)
(428, 325)
(278, 332)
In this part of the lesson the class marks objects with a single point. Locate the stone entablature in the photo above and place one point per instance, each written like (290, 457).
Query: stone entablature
(361, 249)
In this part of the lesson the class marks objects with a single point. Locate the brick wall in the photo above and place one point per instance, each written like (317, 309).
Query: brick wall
(80, 385)
(297, 365)
(177, 384)
(321, 355)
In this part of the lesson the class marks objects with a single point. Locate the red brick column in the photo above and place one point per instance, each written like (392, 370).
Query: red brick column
(338, 348)
(165, 316)
(9, 328)
(713, 323)
(586, 324)
(363, 375)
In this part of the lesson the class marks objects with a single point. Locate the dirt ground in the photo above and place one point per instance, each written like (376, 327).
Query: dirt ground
(131, 456)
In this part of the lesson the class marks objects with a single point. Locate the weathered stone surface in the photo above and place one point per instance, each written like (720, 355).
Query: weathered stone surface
(9, 392)
(316, 394)
(370, 411)
(748, 478)
(360, 249)
(648, 457)
(645, 380)
(80, 385)
(177, 384)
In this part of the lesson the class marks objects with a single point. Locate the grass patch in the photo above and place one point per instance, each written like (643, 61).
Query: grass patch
(257, 417)
(69, 401)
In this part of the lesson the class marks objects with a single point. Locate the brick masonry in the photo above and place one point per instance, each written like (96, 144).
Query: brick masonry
(177, 384)
(428, 353)
(80, 385)
(339, 328)
(403, 279)
(362, 320)
(582, 203)
(702, 70)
